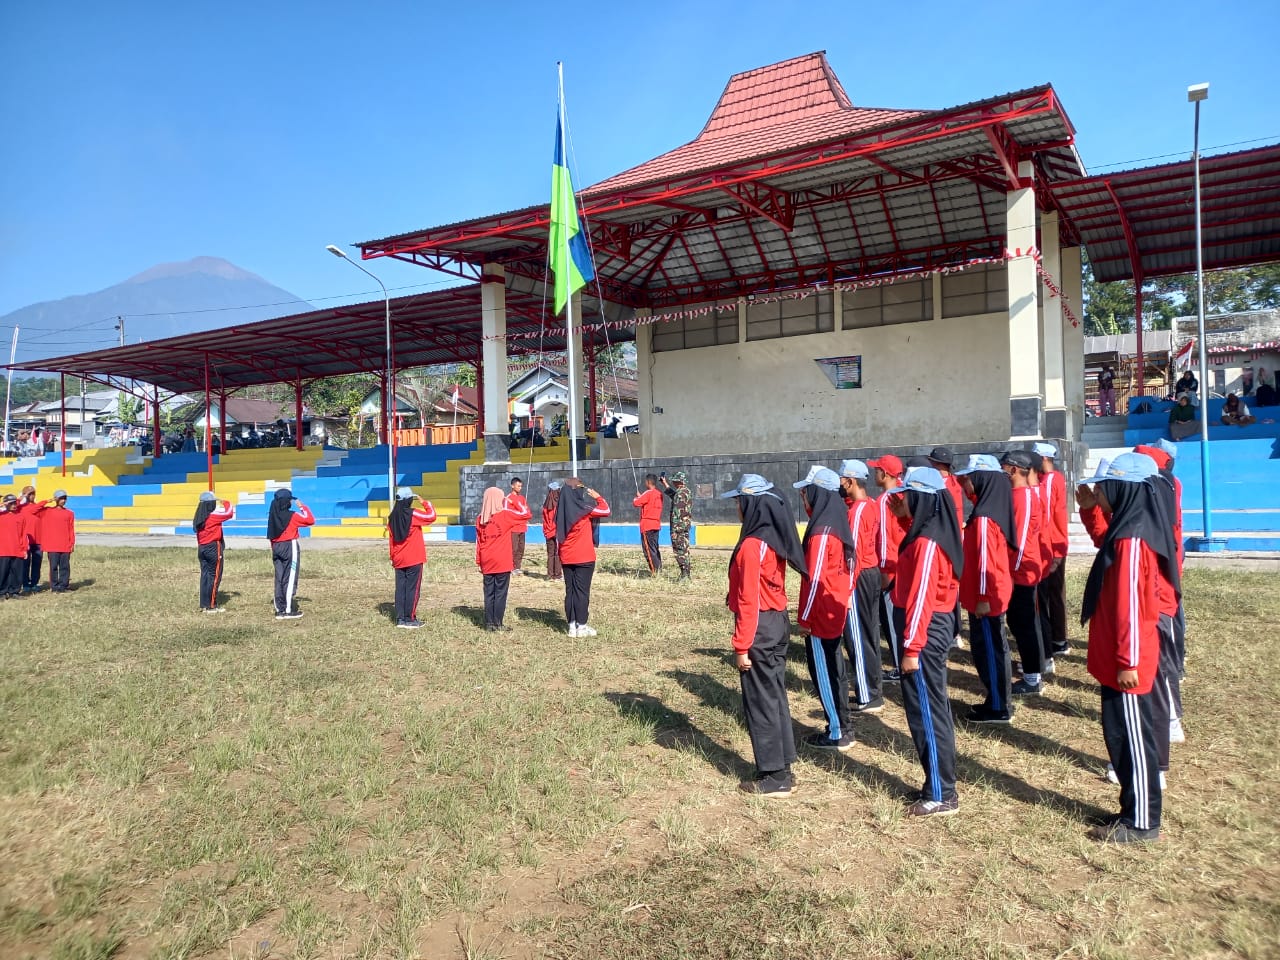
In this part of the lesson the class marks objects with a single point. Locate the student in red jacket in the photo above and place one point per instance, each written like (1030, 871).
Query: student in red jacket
(35, 554)
(517, 504)
(862, 626)
(285, 519)
(887, 472)
(757, 596)
(408, 553)
(554, 571)
(650, 504)
(13, 547)
(985, 586)
(825, 594)
(494, 554)
(930, 558)
(207, 523)
(579, 506)
(1023, 615)
(1122, 608)
(1173, 660)
(1052, 592)
(942, 460)
(58, 538)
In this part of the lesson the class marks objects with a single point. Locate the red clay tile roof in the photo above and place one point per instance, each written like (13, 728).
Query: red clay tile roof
(763, 111)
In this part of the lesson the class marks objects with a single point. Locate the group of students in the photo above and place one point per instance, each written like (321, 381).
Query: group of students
(913, 553)
(31, 529)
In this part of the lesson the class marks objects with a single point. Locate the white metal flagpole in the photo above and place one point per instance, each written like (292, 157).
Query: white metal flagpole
(8, 386)
(574, 411)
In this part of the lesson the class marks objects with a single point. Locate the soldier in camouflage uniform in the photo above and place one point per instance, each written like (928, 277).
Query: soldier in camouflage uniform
(681, 518)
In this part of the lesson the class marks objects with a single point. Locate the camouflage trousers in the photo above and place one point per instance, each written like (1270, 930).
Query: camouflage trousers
(680, 548)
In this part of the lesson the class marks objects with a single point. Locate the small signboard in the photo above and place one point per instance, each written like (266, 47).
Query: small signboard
(845, 373)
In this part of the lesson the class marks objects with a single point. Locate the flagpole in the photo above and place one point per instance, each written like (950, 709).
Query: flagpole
(574, 413)
(8, 387)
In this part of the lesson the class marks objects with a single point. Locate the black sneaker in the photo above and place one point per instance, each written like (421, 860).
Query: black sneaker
(295, 615)
(823, 741)
(934, 808)
(1060, 649)
(772, 786)
(983, 715)
(891, 676)
(871, 706)
(1121, 832)
(1024, 689)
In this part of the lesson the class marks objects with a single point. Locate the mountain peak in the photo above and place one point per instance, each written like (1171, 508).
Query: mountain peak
(211, 266)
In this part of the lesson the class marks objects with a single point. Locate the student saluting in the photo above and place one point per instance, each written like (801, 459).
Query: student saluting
(579, 505)
(285, 519)
(207, 523)
(408, 553)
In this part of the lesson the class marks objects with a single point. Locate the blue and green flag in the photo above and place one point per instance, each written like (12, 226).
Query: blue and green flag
(570, 258)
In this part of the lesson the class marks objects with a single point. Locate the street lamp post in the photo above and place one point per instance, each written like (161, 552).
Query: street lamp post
(389, 392)
(1197, 93)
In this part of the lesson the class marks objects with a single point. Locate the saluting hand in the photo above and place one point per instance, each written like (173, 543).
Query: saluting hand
(1086, 499)
(742, 661)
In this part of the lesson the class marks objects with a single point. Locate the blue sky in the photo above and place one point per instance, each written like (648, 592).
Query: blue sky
(146, 132)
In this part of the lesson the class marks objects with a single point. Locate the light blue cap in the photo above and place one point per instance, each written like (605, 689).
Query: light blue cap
(1103, 466)
(855, 470)
(1129, 467)
(404, 493)
(923, 480)
(1168, 447)
(555, 484)
(1043, 449)
(751, 485)
(823, 477)
(980, 463)
(207, 496)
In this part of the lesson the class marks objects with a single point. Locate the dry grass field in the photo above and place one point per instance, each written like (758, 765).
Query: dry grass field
(177, 785)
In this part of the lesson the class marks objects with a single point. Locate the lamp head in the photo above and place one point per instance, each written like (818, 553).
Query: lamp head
(337, 252)
(1197, 92)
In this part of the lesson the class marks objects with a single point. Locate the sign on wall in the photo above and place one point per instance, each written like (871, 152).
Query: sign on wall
(845, 373)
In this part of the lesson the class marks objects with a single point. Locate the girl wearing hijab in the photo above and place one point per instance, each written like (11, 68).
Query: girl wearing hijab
(494, 555)
(554, 572)
(825, 595)
(1122, 608)
(579, 510)
(408, 553)
(757, 596)
(986, 585)
(930, 558)
(207, 523)
(285, 519)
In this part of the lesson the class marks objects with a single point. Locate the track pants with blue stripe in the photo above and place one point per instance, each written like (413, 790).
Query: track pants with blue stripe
(928, 707)
(862, 637)
(830, 682)
(990, 651)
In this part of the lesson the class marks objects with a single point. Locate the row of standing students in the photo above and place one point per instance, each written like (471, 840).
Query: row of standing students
(30, 530)
(849, 574)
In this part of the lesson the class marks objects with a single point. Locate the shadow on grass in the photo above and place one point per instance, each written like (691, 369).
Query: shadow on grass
(387, 610)
(553, 619)
(673, 730)
(474, 614)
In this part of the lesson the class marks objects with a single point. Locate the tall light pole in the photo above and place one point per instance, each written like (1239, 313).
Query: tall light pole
(1197, 93)
(389, 391)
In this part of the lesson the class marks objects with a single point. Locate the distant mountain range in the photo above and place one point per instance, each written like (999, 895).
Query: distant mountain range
(164, 301)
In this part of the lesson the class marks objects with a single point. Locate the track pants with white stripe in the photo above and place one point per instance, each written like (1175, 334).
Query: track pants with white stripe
(210, 555)
(764, 694)
(990, 652)
(286, 556)
(1166, 692)
(889, 626)
(408, 586)
(830, 682)
(1128, 726)
(1023, 617)
(862, 637)
(928, 707)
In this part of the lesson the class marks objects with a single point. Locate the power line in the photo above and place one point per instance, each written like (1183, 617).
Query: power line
(1182, 153)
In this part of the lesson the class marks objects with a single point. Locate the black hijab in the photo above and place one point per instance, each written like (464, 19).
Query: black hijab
(401, 520)
(829, 511)
(933, 517)
(574, 504)
(767, 517)
(995, 500)
(203, 509)
(1138, 511)
(280, 514)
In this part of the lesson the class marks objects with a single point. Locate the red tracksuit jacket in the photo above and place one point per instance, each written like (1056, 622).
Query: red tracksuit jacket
(30, 514)
(212, 531)
(548, 523)
(57, 528)
(302, 517)
(518, 505)
(957, 497)
(1096, 524)
(864, 521)
(412, 551)
(1123, 632)
(1024, 552)
(493, 540)
(757, 581)
(13, 534)
(892, 530)
(986, 575)
(824, 597)
(1053, 494)
(925, 585)
(650, 504)
(577, 546)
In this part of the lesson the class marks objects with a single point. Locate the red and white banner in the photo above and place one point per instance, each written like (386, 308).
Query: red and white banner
(1182, 359)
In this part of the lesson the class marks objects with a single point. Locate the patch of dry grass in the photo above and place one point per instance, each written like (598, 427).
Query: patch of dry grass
(181, 785)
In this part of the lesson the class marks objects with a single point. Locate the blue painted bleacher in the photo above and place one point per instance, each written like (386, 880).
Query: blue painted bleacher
(1147, 427)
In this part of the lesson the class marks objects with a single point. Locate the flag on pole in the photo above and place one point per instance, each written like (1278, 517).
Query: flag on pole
(570, 258)
(455, 397)
(1182, 359)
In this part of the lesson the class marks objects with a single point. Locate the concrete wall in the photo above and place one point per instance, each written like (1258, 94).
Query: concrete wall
(923, 383)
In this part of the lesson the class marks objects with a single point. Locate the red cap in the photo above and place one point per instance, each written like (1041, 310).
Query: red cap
(1155, 453)
(889, 464)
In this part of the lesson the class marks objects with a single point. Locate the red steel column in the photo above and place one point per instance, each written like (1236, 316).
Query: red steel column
(592, 399)
(384, 436)
(479, 399)
(1137, 326)
(208, 427)
(297, 413)
(222, 422)
(157, 447)
(62, 442)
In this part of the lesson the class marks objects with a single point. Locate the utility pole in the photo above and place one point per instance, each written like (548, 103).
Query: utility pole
(120, 396)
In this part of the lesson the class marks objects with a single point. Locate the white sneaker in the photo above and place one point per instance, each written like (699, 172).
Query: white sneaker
(1176, 733)
(1048, 669)
(573, 629)
(1110, 775)
(585, 631)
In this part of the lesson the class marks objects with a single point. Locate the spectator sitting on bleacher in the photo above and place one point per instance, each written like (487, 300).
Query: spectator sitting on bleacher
(1188, 386)
(1182, 419)
(1265, 389)
(1235, 413)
